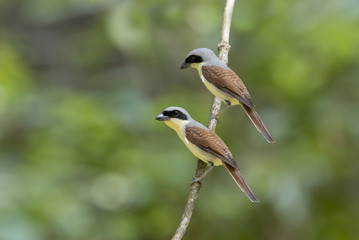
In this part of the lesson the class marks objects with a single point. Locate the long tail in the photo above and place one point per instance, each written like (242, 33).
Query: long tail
(243, 185)
(257, 121)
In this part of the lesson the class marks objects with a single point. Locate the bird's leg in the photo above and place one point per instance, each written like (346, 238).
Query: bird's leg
(200, 178)
(228, 104)
(212, 116)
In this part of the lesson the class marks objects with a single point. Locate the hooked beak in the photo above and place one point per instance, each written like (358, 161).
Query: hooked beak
(161, 117)
(185, 65)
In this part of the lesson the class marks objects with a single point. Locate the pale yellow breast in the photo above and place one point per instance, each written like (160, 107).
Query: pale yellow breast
(199, 153)
(204, 156)
(217, 92)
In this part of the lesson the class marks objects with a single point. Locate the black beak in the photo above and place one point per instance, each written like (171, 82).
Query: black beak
(161, 117)
(185, 65)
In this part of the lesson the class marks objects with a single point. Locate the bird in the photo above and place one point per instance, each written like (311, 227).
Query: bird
(225, 84)
(205, 145)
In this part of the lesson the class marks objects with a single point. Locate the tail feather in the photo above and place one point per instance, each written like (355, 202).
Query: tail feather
(243, 185)
(257, 121)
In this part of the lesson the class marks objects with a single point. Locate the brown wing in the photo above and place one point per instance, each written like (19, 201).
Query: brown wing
(257, 121)
(229, 82)
(241, 182)
(211, 143)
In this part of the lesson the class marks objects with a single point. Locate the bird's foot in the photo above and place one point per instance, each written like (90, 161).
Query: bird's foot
(212, 116)
(196, 180)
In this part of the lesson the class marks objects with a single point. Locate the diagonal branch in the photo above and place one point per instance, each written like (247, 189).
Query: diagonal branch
(223, 49)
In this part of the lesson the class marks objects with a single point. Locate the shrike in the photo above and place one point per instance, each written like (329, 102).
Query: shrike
(205, 145)
(222, 82)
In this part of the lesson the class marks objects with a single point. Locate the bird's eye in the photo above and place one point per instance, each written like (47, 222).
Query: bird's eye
(194, 59)
(191, 59)
(175, 113)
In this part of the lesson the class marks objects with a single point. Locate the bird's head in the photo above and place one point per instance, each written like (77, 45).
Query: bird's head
(198, 57)
(174, 117)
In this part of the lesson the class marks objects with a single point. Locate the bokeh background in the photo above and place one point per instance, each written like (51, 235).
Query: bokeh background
(81, 156)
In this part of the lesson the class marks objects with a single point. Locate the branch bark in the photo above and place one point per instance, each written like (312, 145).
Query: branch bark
(223, 49)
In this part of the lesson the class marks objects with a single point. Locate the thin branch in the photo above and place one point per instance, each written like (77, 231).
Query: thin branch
(223, 46)
(223, 49)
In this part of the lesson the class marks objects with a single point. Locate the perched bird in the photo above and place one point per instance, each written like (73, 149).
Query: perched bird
(205, 145)
(224, 83)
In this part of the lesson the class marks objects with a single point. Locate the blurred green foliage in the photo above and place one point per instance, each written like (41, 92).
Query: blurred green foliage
(81, 156)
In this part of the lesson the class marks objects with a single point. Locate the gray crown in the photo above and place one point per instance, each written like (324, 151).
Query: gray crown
(208, 56)
(192, 122)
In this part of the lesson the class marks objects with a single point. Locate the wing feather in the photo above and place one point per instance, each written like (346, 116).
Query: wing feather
(210, 142)
(229, 82)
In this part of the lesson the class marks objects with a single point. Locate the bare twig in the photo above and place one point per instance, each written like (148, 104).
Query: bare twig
(223, 49)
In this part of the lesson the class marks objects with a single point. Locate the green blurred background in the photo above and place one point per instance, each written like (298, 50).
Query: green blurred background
(81, 156)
